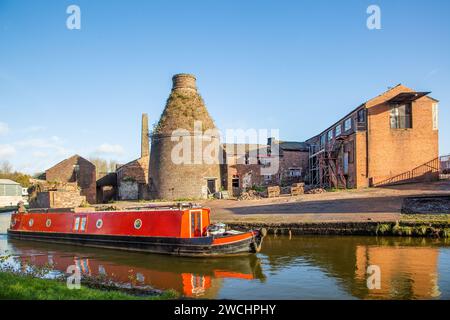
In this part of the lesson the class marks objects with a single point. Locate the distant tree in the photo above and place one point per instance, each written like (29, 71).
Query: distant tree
(39, 175)
(6, 172)
(103, 166)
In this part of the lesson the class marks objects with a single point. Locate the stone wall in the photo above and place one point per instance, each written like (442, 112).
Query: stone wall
(58, 199)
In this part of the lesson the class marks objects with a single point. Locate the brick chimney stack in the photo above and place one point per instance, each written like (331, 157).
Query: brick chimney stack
(184, 81)
(145, 146)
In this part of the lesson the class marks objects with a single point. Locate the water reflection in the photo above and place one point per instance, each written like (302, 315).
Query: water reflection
(409, 266)
(190, 276)
(298, 268)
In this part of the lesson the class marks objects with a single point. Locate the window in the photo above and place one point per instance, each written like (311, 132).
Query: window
(247, 158)
(83, 224)
(235, 182)
(77, 223)
(99, 223)
(401, 116)
(348, 124)
(137, 224)
(362, 115)
(330, 135)
(295, 172)
(322, 140)
(338, 130)
(346, 160)
(435, 116)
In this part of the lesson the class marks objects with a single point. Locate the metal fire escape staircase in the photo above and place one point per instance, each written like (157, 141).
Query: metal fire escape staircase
(326, 169)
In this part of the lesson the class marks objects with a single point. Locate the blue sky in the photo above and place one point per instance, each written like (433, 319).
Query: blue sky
(296, 66)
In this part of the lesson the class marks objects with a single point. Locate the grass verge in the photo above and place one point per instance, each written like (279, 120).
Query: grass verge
(23, 287)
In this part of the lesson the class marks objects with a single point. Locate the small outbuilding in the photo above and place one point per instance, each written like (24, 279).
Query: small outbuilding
(10, 193)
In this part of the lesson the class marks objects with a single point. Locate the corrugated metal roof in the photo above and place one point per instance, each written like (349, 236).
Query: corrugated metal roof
(7, 181)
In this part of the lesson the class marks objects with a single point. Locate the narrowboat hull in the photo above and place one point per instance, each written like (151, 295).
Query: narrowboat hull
(238, 244)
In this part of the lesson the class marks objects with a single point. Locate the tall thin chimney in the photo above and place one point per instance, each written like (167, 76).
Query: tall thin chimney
(145, 147)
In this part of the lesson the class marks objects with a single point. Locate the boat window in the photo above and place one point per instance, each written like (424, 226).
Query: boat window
(137, 223)
(77, 223)
(83, 223)
(99, 223)
(31, 222)
(48, 223)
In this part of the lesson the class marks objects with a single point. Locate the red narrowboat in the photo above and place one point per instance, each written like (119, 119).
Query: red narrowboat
(178, 230)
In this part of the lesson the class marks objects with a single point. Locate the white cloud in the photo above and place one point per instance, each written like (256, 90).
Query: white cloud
(6, 151)
(54, 143)
(39, 154)
(107, 148)
(4, 128)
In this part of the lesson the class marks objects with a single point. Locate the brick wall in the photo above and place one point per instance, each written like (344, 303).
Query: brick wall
(394, 151)
(134, 173)
(58, 199)
(86, 177)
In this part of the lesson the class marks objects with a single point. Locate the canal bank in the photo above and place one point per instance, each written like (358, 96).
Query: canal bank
(409, 227)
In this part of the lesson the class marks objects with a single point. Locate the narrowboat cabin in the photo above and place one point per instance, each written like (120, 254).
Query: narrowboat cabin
(177, 230)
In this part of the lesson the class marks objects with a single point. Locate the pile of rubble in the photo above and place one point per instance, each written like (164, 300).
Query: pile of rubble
(315, 191)
(426, 205)
(249, 195)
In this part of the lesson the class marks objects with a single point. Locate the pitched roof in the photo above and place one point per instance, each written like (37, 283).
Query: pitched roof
(7, 181)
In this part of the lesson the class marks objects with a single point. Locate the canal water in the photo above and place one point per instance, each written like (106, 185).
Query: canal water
(300, 267)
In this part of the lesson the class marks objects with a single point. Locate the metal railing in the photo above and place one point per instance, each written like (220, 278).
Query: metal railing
(429, 169)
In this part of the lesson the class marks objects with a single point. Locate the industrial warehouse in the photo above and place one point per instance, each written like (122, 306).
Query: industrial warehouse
(390, 139)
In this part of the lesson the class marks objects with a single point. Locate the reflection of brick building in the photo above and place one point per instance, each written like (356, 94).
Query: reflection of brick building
(77, 170)
(392, 138)
(396, 266)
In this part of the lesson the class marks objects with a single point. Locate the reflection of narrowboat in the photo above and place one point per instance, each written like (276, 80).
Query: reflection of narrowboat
(190, 276)
(179, 230)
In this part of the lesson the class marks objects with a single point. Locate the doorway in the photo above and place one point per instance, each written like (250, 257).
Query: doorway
(196, 223)
(211, 183)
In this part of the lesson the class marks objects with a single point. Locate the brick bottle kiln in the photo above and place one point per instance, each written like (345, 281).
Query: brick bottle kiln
(175, 174)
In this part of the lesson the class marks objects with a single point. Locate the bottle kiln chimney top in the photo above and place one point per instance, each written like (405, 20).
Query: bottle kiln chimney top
(184, 81)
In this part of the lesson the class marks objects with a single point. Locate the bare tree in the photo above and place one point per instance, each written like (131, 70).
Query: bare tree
(6, 167)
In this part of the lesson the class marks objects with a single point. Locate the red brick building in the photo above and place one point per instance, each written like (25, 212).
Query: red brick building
(245, 163)
(390, 139)
(77, 170)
